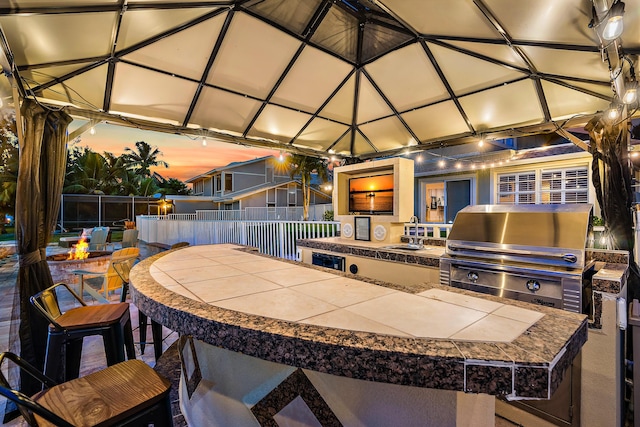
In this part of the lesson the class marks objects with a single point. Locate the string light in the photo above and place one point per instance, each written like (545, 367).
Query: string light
(204, 142)
(613, 113)
(281, 157)
(441, 163)
(614, 24)
(92, 131)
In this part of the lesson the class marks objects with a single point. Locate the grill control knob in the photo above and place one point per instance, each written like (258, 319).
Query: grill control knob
(533, 285)
(473, 276)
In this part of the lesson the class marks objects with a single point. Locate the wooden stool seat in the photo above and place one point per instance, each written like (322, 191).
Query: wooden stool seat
(125, 394)
(91, 316)
(106, 397)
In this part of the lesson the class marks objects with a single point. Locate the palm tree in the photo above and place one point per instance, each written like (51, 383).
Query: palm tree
(87, 172)
(143, 158)
(303, 166)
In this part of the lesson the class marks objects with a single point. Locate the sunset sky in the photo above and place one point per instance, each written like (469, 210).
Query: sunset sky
(186, 157)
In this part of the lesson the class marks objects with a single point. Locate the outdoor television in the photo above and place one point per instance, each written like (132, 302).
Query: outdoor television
(371, 195)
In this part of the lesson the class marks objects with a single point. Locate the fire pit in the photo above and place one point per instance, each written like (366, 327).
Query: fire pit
(78, 258)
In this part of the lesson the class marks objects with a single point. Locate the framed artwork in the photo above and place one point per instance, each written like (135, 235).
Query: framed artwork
(362, 228)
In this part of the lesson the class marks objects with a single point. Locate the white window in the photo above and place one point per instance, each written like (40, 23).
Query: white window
(556, 186)
(292, 189)
(565, 186)
(517, 188)
(198, 187)
(228, 182)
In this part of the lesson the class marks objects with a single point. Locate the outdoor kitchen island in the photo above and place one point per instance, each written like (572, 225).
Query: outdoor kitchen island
(277, 341)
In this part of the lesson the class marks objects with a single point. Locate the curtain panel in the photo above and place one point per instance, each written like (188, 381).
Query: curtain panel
(43, 153)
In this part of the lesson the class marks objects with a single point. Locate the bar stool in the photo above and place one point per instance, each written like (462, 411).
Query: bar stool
(122, 268)
(129, 393)
(67, 330)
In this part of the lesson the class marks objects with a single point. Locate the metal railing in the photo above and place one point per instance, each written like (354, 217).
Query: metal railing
(276, 238)
(427, 230)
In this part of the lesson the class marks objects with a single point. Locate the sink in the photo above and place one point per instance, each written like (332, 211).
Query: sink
(407, 247)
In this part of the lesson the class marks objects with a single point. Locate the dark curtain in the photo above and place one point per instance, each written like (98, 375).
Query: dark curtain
(43, 153)
(611, 177)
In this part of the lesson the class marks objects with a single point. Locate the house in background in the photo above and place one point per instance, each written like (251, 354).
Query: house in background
(257, 183)
(515, 174)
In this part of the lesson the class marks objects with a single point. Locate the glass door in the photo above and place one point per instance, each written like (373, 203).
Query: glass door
(458, 196)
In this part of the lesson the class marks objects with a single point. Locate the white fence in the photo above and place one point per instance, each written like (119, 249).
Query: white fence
(276, 238)
(294, 213)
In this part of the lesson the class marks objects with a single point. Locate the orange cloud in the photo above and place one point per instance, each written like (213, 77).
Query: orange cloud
(186, 157)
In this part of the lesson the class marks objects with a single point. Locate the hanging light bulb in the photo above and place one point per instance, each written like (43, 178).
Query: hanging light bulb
(441, 163)
(458, 165)
(331, 151)
(1, 103)
(614, 23)
(481, 141)
(92, 131)
(631, 93)
(204, 142)
(612, 112)
(473, 165)
(419, 159)
(281, 157)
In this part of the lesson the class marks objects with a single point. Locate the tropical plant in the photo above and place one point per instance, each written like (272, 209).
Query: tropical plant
(143, 158)
(327, 216)
(302, 167)
(8, 169)
(88, 173)
(174, 186)
(148, 187)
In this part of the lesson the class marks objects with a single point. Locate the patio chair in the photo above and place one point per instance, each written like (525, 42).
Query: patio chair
(100, 284)
(128, 393)
(130, 238)
(98, 240)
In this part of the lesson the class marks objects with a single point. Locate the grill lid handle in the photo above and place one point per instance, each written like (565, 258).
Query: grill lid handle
(568, 257)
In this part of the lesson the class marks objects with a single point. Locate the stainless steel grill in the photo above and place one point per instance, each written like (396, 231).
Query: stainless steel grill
(533, 253)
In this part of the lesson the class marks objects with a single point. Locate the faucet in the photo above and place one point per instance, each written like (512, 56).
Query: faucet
(414, 240)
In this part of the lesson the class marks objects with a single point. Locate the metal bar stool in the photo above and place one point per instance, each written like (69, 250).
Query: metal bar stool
(67, 330)
(123, 267)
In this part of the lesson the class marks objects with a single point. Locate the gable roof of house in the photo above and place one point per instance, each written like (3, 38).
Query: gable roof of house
(231, 165)
(241, 194)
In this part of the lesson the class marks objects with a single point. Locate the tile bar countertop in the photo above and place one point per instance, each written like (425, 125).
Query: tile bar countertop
(327, 321)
